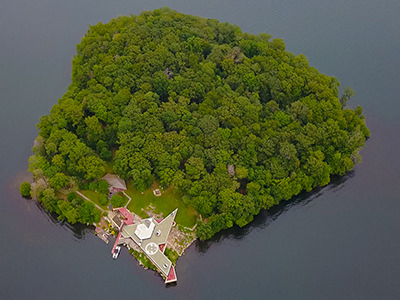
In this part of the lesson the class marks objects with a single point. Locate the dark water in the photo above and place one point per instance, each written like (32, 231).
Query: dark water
(341, 242)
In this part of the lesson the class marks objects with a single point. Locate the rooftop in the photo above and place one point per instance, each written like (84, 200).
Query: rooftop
(151, 236)
(145, 230)
(115, 181)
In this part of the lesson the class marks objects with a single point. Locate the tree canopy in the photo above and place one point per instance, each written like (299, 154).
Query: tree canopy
(230, 119)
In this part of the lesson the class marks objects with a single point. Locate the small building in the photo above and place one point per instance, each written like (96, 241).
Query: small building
(157, 192)
(116, 183)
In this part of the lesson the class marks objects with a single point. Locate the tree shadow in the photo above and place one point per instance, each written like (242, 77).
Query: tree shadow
(78, 230)
(266, 217)
(11, 188)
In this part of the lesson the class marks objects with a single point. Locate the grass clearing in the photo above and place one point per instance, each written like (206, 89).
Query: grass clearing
(119, 200)
(109, 167)
(165, 204)
(94, 196)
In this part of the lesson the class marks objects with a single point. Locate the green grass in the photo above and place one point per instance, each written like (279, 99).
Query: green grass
(61, 195)
(140, 256)
(164, 204)
(94, 196)
(122, 204)
(109, 167)
(172, 255)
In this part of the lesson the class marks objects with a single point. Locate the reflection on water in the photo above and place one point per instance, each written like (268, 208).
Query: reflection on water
(262, 220)
(266, 217)
(12, 190)
(78, 230)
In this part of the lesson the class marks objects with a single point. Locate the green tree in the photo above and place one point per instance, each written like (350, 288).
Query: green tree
(103, 199)
(25, 189)
(102, 186)
(231, 120)
(118, 200)
(59, 181)
(347, 94)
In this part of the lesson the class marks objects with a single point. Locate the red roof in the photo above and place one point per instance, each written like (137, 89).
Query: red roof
(129, 220)
(160, 220)
(171, 276)
(125, 212)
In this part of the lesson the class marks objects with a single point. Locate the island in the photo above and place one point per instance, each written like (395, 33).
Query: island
(175, 127)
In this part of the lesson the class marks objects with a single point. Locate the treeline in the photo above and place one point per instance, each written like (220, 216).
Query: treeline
(73, 210)
(231, 119)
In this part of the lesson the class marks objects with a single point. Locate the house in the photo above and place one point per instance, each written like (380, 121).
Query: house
(116, 183)
(151, 236)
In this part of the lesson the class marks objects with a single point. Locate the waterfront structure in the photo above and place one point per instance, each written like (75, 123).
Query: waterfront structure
(151, 236)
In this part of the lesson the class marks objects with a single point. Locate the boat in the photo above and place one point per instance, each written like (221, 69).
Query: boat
(116, 252)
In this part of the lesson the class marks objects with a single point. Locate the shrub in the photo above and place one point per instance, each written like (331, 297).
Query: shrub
(71, 196)
(118, 200)
(25, 189)
(93, 186)
(103, 199)
(83, 186)
(102, 186)
(172, 255)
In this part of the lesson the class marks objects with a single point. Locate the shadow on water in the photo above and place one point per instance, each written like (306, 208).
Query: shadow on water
(78, 230)
(12, 189)
(262, 220)
(171, 285)
(266, 217)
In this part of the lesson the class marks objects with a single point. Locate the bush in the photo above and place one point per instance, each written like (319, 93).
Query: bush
(25, 189)
(83, 186)
(93, 186)
(71, 196)
(103, 199)
(102, 186)
(118, 200)
(141, 257)
(172, 255)
(77, 202)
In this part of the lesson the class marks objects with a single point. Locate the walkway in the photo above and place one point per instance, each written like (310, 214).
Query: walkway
(87, 199)
(126, 205)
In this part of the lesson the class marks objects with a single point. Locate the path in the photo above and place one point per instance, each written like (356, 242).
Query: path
(86, 198)
(126, 205)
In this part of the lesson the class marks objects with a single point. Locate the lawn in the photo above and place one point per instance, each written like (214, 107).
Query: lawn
(109, 167)
(94, 196)
(165, 204)
(119, 200)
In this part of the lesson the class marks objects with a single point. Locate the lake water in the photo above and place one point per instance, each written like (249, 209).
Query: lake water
(341, 242)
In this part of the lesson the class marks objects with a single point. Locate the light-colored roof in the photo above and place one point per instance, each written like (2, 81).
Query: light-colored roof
(115, 181)
(150, 245)
(144, 230)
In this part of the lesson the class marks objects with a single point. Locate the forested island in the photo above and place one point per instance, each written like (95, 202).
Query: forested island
(226, 123)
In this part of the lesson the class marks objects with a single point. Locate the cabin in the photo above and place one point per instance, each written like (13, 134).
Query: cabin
(116, 183)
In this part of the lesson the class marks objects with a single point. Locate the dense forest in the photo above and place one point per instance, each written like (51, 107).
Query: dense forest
(231, 120)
